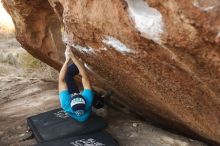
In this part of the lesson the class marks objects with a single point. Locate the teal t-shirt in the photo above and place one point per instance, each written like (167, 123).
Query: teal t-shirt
(65, 101)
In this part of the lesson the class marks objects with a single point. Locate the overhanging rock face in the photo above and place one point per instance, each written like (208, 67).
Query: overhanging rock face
(161, 57)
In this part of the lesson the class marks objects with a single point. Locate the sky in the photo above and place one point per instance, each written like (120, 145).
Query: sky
(5, 19)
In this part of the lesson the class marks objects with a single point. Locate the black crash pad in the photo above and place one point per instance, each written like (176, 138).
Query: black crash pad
(94, 139)
(57, 124)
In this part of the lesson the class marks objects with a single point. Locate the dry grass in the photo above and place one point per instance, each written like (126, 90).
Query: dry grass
(35, 68)
(6, 32)
(25, 65)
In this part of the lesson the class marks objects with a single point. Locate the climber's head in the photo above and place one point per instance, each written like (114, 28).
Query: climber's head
(78, 104)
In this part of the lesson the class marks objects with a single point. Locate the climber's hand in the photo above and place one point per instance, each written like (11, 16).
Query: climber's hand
(68, 52)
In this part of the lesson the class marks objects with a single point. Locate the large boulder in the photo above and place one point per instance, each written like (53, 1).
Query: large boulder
(161, 57)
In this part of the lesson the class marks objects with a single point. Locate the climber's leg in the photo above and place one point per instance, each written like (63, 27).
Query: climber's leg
(72, 70)
(99, 100)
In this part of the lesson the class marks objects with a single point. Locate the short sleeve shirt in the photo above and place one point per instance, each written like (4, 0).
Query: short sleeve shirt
(65, 101)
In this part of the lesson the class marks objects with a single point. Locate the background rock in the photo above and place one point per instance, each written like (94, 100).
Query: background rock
(161, 57)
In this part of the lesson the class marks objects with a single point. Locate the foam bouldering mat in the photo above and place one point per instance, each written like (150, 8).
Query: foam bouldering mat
(94, 139)
(57, 124)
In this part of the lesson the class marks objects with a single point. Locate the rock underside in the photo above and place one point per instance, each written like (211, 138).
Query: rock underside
(161, 57)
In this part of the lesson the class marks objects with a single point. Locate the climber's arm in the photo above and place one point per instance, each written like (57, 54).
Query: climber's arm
(62, 82)
(82, 71)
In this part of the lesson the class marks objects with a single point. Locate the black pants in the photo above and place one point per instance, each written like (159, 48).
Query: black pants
(72, 70)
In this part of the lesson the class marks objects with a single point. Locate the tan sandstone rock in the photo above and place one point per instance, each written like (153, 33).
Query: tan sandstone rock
(161, 57)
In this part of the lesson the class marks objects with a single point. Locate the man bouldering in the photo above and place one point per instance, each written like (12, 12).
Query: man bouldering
(77, 105)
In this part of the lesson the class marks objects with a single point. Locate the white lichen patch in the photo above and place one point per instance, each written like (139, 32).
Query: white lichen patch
(117, 45)
(68, 38)
(82, 49)
(205, 5)
(103, 49)
(100, 50)
(87, 67)
(147, 20)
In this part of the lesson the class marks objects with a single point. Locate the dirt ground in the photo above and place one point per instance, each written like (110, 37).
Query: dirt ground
(21, 98)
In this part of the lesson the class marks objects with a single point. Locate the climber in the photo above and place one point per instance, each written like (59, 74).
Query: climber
(77, 105)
